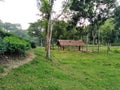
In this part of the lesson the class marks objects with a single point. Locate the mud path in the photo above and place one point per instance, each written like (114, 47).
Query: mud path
(11, 64)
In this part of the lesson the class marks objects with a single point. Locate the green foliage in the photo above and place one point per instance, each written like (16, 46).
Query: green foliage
(16, 45)
(116, 44)
(4, 34)
(117, 23)
(116, 51)
(3, 47)
(93, 11)
(35, 29)
(10, 43)
(1, 69)
(68, 70)
(45, 6)
(60, 30)
(21, 33)
(9, 26)
(107, 30)
(86, 9)
(33, 44)
(117, 17)
(9, 29)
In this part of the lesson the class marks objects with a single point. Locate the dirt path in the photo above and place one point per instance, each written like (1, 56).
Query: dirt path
(16, 63)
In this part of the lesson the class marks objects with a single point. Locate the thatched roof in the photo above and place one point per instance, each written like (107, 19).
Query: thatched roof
(70, 43)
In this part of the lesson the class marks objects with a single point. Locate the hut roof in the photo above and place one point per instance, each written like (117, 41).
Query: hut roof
(70, 43)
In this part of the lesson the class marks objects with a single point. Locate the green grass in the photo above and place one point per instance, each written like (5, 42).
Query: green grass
(66, 70)
(1, 69)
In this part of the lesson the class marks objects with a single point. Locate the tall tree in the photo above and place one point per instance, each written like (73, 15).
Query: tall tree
(36, 30)
(59, 30)
(46, 9)
(117, 23)
(96, 11)
(107, 32)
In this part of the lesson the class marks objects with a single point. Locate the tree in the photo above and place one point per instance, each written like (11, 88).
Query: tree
(107, 32)
(9, 26)
(59, 30)
(46, 9)
(117, 23)
(22, 34)
(96, 11)
(1, 25)
(36, 30)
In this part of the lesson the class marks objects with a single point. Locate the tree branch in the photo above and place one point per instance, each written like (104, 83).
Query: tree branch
(61, 12)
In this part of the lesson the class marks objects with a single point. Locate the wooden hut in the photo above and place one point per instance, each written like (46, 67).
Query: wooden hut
(63, 43)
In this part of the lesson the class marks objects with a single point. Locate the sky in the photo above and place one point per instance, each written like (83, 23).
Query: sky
(21, 11)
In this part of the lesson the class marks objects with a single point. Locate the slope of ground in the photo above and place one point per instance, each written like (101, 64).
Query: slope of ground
(66, 70)
(11, 63)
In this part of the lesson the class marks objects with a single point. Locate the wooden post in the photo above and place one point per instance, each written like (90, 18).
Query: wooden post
(68, 48)
(63, 48)
(79, 48)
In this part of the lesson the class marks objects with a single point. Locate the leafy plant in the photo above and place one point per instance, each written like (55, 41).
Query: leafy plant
(33, 44)
(4, 34)
(3, 47)
(16, 45)
(1, 69)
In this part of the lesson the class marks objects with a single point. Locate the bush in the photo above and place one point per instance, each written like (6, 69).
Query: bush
(116, 44)
(116, 51)
(16, 45)
(4, 34)
(1, 69)
(3, 47)
(33, 44)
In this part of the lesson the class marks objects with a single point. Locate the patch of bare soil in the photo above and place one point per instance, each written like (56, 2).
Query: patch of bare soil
(10, 63)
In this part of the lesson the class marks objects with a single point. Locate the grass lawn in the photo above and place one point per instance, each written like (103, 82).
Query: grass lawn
(66, 70)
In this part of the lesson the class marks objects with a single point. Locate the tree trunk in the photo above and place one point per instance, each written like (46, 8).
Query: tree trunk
(87, 41)
(93, 42)
(79, 48)
(116, 36)
(48, 38)
(49, 31)
(98, 41)
(48, 49)
(49, 28)
(41, 43)
(108, 47)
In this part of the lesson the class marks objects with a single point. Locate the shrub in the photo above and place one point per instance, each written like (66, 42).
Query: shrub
(1, 69)
(33, 44)
(116, 44)
(16, 45)
(116, 51)
(4, 34)
(3, 47)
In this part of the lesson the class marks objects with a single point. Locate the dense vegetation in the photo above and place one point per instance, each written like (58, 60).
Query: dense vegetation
(96, 22)
(66, 70)
(10, 44)
(9, 26)
(16, 30)
(16, 45)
